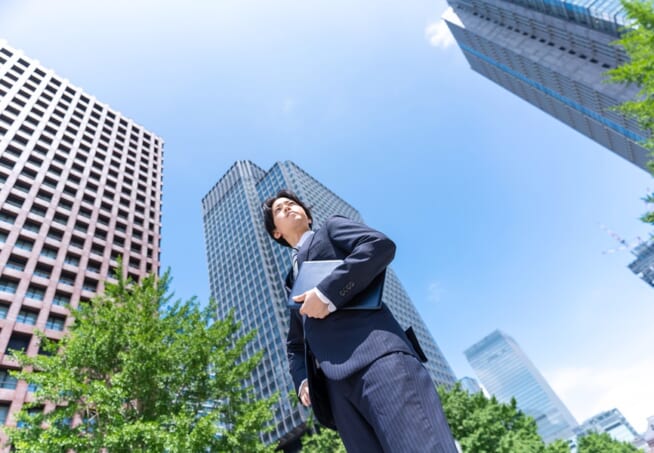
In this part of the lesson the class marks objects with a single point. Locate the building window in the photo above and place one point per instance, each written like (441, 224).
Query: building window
(7, 217)
(61, 299)
(67, 279)
(36, 293)
(32, 226)
(18, 342)
(4, 411)
(16, 263)
(72, 260)
(24, 244)
(90, 285)
(42, 271)
(27, 317)
(55, 323)
(6, 380)
(8, 286)
(49, 252)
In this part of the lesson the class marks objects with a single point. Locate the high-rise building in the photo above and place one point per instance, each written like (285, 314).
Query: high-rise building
(247, 270)
(613, 423)
(554, 54)
(506, 372)
(643, 265)
(470, 385)
(80, 186)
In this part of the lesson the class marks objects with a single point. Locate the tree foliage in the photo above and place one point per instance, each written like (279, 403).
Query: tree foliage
(638, 43)
(137, 373)
(603, 443)
(322, 441)
(485, 426)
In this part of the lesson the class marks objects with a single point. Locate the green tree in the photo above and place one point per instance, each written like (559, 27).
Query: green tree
(137, 373)
(603, 443)
(638, 43)
(322, 441)
(483, 425)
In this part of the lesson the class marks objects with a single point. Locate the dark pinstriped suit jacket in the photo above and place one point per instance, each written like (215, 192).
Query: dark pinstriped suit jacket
(345, 341)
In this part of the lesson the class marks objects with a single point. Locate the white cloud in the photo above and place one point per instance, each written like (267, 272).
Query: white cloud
(434, 292)
(587, 391)
(439, 35)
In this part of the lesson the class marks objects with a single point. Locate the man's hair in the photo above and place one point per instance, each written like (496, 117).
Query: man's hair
(268, 216)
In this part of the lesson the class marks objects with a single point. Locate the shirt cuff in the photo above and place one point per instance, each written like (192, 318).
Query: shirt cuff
(330, 306)
(304, 382)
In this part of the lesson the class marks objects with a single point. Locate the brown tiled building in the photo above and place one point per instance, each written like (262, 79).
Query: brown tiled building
(80, 186)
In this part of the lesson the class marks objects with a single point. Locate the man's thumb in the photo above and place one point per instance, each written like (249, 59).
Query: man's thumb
(300, 298)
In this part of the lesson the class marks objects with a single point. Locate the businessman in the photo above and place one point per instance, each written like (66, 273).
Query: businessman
(357, 368)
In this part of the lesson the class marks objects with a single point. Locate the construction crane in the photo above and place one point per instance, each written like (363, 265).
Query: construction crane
(624, 245)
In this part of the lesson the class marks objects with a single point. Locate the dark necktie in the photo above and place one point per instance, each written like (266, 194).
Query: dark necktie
(295, 265)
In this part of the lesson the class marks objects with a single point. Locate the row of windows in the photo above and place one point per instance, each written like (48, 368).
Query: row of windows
(37, 292)
(28, 316)
(550, 35)
(12, 152)
(39, 76)
(60, 161)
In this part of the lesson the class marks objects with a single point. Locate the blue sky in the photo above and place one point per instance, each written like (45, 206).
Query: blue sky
(495, 206)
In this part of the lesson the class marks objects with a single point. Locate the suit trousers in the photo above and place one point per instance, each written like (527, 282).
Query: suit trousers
(390, 406)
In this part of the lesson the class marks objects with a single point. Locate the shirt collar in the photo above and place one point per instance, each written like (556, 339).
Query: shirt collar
(303, 239)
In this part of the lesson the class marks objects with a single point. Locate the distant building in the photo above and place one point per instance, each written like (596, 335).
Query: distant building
(643, 265)
(648, 436)
(470, 385)
(247, 270)
(506, 372)
(554, 54)
(611, 422)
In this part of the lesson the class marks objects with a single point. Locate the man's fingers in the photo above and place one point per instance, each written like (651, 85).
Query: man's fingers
(300, 298)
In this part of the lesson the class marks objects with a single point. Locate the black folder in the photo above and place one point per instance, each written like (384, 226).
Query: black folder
(313, 272)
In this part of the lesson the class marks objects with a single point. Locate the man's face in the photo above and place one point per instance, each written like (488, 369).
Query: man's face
(289, 218)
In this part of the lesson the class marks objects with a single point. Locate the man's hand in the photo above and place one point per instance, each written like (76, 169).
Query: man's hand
(304, 394)
(312, 305)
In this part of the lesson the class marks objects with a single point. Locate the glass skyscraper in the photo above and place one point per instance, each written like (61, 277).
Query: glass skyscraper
(554, 54)
(506, 372)
(643, 265)
(613, 423)
(247, 270)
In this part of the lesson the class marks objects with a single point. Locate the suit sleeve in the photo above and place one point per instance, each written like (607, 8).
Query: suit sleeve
(368, 253)
(295, 350)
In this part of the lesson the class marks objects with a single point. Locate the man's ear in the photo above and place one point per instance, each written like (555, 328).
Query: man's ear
(277, 234)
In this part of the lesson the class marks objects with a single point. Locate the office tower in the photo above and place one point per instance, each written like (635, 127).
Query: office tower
(247, 270)
(554, 54)
(643, 265)
(611, 422)
(648, 436)
(470, 385)
(80, 186)
(506, 372)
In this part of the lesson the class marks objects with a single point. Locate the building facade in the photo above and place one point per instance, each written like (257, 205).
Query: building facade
(247, 270)
(643, 265)
(470, 385)
(506, 372)
(80, 186)
(554, 55)
(614, 424)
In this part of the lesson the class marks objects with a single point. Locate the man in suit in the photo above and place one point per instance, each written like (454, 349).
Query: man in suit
(358, 364)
